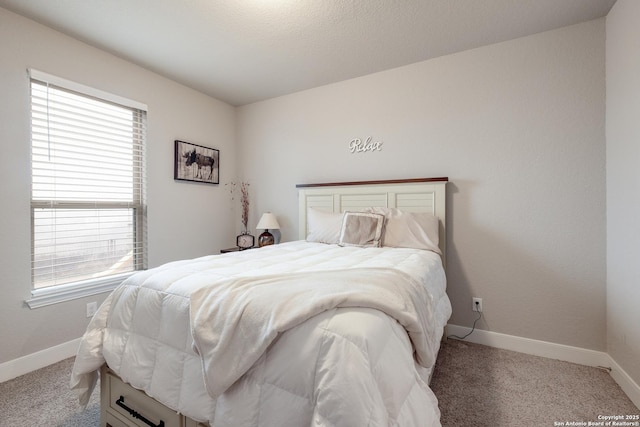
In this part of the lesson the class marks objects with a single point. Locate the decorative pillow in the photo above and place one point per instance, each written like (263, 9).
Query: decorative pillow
(417, 230)
(323, 227)
(361, 229)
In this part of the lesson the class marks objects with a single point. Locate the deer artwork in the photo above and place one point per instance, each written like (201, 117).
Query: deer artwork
(201, 161)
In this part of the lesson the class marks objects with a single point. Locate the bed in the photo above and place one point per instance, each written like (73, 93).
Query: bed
(339, 328)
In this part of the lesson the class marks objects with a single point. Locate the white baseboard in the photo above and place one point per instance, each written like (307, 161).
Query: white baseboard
(550, 350)
(31, 362)
(626, 383)
(534, 347)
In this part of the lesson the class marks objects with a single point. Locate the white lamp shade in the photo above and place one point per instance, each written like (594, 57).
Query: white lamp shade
(268, 221)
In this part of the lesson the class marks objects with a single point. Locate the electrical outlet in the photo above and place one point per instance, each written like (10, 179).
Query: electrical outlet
(92, 307)
(477, 304)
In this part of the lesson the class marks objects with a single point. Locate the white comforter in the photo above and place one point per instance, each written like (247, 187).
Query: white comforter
(288, 335)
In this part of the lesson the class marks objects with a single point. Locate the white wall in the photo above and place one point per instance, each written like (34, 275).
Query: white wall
(623, 185)
(185, 219)
(518, 127)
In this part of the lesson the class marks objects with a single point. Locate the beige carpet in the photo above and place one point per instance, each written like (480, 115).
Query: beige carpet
(476, 386)
(484, 386)
(42, 398)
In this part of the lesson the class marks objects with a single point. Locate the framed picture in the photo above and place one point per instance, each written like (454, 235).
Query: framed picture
(196, 163)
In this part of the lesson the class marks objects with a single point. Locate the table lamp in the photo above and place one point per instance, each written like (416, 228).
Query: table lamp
(267, 221)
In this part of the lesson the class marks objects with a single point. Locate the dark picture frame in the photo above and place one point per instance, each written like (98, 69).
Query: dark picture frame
(196, 163)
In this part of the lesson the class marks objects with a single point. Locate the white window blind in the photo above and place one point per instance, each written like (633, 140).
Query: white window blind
(88, 185)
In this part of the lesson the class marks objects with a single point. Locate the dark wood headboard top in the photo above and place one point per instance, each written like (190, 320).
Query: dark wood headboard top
(388, 181)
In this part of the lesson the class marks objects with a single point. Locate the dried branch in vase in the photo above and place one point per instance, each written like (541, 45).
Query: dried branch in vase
(243, 188)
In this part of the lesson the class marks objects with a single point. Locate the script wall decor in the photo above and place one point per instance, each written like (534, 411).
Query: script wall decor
(369, 145)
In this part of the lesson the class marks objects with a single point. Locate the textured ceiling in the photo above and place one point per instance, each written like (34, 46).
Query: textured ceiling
(243, 51)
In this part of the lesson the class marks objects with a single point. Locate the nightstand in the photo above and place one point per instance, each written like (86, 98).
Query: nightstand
(234, 249)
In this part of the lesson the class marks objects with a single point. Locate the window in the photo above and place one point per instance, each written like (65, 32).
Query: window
(87, 189)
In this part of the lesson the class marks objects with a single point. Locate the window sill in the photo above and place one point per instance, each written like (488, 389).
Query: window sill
(62, 293)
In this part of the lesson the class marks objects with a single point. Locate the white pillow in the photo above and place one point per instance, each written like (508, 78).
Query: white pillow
(417, 230)
(361, 229)
(323, 227)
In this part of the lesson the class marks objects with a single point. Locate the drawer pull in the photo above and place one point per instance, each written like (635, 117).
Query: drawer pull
(137, 415)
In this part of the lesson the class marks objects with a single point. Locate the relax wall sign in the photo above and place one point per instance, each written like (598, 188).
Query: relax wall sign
(369, 145)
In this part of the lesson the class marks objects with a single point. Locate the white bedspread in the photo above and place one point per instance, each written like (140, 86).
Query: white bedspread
(287, 335)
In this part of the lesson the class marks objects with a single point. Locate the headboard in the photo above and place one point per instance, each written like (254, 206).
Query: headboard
(411, 195)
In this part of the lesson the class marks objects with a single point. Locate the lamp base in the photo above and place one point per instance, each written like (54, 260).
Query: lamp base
(265, 239)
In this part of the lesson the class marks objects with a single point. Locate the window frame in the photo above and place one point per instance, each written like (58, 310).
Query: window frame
(54, 294)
